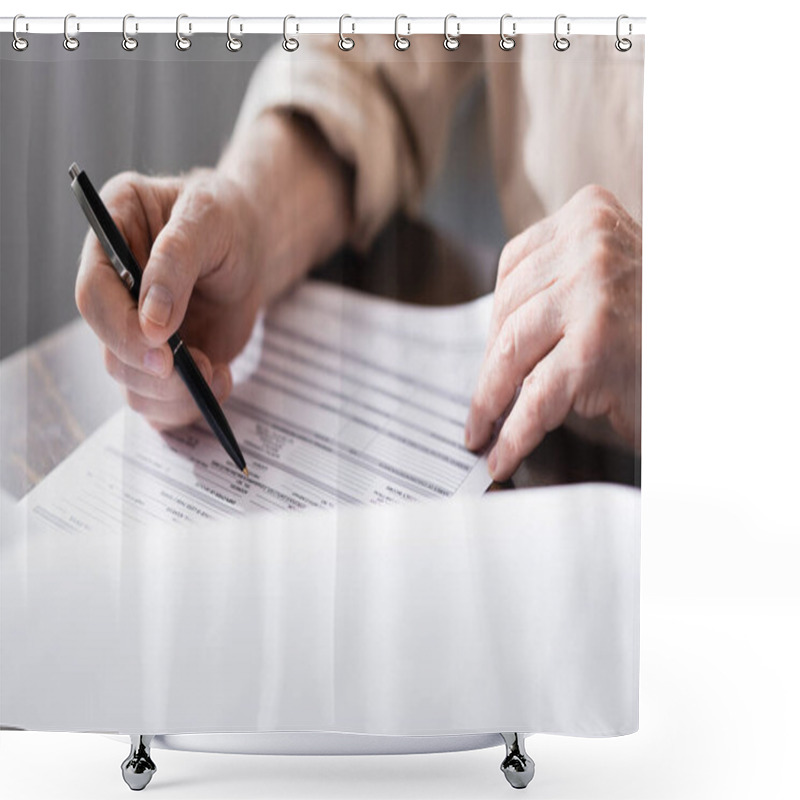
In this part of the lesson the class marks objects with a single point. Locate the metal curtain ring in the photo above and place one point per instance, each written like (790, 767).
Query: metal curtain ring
(70, 42)
(345, 42)
(181, 42)
(289, 44)
(128, 42)
(451, 42)
(233, 44)
(19, 44)
(561, 43)
(506, 42)
(400, 42)
(623, 45)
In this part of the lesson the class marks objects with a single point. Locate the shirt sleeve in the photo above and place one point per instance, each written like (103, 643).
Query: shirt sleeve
(385, 112)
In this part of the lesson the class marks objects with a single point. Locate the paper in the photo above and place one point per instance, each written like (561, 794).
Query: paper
(514, 611)
(340, 398)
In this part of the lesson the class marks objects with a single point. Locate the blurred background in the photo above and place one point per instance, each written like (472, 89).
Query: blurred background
(154, 110)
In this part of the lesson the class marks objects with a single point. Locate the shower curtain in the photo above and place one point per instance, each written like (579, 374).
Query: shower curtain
(407, 272)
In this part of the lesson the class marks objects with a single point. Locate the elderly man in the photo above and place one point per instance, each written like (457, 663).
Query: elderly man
(328, 145)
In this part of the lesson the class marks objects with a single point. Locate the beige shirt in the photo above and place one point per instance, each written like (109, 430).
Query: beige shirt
(558, 121)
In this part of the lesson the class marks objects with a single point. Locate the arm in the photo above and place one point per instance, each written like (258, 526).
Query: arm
(384, 112)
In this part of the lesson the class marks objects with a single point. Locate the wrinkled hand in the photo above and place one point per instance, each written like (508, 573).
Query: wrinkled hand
(565, 333)
(215, 245)
(193, 236)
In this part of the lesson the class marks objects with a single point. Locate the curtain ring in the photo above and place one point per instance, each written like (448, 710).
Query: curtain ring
(233, 44)
(506, 42)
(289, 44)
(451, 42)
(623, 45)
(181, 42)
(128, 42)
(400, 42)
(561, 43)
(345, 42)
(19, 44)
(70, 42)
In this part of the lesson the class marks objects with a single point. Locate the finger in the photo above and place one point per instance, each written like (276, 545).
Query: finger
(166, 386)
(524, 243)
(526, 337)
(537, 274)
(188, 246)
(111, 312)
(544, 401)
(177, 407)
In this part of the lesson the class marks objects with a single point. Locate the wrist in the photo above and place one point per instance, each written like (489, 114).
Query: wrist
(300, 192)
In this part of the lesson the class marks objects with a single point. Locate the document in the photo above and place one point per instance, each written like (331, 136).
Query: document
(339, 398)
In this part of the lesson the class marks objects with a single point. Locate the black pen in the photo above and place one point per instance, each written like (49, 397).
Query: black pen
(129, 271)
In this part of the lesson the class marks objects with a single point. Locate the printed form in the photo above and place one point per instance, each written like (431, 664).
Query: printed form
(339, 398)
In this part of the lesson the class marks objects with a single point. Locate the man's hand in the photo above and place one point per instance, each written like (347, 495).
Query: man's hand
(215, 245)
(565, 332)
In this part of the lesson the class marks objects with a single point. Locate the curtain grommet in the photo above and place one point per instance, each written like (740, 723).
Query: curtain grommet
(345, 42)
(507, 42)
(561, 43)
(401, 43)
(19, 43)
(290, 44)
(182, 42)
(129, 43)
(233, 44)
(70, 42)
(451, 42)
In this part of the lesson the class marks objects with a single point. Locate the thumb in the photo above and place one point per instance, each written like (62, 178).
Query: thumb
(186, 248)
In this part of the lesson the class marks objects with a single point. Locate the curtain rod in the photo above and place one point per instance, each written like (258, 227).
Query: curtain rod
(406, 26)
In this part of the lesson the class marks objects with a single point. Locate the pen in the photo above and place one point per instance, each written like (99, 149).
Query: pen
(124, 263)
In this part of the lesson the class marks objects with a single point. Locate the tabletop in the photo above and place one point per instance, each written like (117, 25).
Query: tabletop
(55, 393)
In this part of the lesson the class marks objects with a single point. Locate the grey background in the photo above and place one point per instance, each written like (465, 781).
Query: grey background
(155, 110)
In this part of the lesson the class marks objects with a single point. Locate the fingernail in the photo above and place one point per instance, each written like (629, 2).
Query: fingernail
(157, 305)
(154, 362)
(493, 463)
(219, 384)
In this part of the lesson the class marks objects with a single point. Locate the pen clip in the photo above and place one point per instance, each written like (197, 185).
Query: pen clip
(119, 267)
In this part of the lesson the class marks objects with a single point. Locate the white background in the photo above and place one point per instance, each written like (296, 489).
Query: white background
(720, 553)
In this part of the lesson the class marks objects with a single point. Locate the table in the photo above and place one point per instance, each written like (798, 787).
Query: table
(55, 393)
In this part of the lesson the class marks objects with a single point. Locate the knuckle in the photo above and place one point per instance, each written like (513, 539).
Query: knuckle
(121, 183)
(201, 202)
(136, 402)
(508, 339)
(541, 409)
(595, 194)
(111, 363)
(512, 443)
(479, 408)
(174, 244)
(508, 260)
(533, 390)
(126, 338)
(601, 218)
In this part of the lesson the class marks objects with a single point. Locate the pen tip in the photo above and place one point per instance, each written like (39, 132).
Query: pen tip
(246, 473)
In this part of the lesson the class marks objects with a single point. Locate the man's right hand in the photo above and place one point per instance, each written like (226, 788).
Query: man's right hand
(215, 245)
